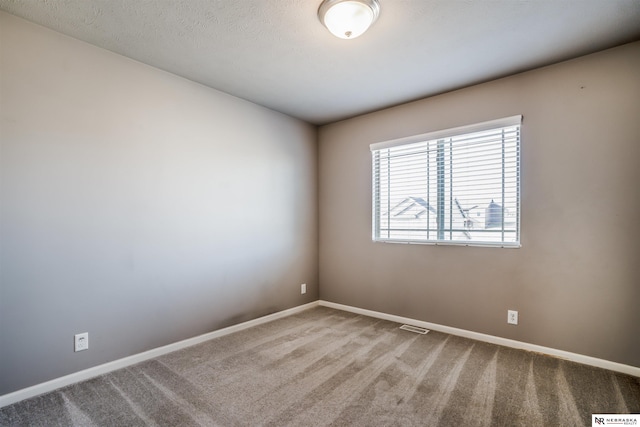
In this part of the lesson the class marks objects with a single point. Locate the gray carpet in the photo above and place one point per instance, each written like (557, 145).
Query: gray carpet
(328, 367)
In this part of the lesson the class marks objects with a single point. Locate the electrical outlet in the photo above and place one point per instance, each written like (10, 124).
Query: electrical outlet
(512, 317)
(81, 341)
(303, 288)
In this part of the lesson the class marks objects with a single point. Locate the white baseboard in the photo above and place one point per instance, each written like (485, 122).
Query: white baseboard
(574, 357)
(86, 374)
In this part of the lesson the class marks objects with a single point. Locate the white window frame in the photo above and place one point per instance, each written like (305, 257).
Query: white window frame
(417, 140)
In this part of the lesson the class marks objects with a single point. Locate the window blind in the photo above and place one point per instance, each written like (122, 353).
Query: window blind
(457, 186)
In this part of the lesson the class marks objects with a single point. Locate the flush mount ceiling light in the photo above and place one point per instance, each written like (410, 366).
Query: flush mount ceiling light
(348, 19)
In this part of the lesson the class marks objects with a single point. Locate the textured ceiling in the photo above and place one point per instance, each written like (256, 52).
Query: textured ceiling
(277, 54)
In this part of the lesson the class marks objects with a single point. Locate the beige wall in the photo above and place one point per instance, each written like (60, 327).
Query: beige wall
(138, 206)
(576, 279)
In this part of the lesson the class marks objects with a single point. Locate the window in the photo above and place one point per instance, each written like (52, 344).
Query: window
(458, 186)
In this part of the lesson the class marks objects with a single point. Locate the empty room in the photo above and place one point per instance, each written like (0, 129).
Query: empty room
(338, 212)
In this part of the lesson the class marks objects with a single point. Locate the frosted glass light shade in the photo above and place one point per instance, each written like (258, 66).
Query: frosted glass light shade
(348, 19)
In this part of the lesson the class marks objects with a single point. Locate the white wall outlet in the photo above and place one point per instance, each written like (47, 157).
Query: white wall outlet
(512, 317)
(81, 341)
(303, 288)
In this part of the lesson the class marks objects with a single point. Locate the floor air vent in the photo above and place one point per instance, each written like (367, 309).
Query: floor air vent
(415, 329)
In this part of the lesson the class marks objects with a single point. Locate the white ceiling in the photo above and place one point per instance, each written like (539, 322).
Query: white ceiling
(277, 54)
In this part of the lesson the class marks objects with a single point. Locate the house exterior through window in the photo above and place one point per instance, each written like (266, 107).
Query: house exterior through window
(457, 186)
